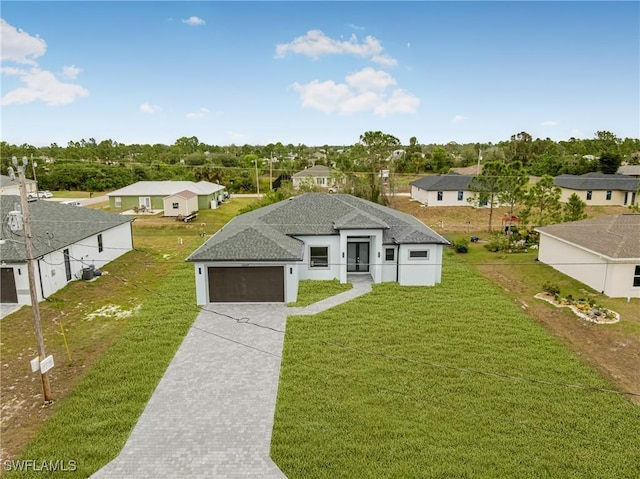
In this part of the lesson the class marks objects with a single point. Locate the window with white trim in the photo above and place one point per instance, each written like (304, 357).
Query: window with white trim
(100, 246)
(118, 202)
(589, 194)
(318, 256)
(175, 206)
(636, 277)
(608, 195)
(390, 254)
(439, 195)
(419, 254)
(460, 195)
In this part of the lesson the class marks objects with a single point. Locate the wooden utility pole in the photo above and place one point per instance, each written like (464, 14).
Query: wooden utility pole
(257, 179)
(33, 292)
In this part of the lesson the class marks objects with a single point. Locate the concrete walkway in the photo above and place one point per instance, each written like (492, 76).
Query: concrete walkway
(211, 415)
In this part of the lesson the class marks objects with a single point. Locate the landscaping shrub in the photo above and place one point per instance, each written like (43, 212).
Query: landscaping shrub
(461, 246)
(551, 288)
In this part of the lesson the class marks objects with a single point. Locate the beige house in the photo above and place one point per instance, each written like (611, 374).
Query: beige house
(442, 190)
(318, 176)
(599, 189)
(181, 204)
(603, 253)
(10, 187)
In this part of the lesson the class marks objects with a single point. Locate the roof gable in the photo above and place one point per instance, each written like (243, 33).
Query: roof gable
(315, 171)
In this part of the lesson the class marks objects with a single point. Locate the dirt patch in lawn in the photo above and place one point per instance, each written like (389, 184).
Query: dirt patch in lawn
(612, 350)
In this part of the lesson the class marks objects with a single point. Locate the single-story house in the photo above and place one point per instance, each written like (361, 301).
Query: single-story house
(317, 176)
(261, 256)
(182, 203)
(450, 189)
(599, 188)
(151, 194)
(65, 240)
(603, 253)
(629, 170)
(10, 187)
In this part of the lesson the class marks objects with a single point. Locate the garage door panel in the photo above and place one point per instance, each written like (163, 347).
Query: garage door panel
(8, 293)
(260, 284)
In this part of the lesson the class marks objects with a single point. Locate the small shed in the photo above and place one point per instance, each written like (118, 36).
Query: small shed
(182, 203)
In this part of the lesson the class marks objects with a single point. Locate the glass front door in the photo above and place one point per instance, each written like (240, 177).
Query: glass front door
(357, 257)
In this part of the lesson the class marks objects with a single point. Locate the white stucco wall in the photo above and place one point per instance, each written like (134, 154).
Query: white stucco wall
(375, 252)
(598, 197)
(420, 272)
(449, 198)
(613, 278)
(335, 260)
(389, 268)
(50, 274)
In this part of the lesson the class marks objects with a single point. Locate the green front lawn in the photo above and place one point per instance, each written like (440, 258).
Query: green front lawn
(432, 382)
(310, 291)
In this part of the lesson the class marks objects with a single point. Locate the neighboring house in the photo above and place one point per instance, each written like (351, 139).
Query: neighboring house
(599, 188)
(450, 189)
(181, 204)
(261, 256)
(66, 239)
(318, 176)
(603, 253)
(151, 194)
(629, 170)
(10, 187)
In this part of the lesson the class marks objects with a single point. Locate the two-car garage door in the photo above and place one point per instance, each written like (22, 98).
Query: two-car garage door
(258, 284)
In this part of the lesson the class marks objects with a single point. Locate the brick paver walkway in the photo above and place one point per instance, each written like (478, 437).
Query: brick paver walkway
(211, 415)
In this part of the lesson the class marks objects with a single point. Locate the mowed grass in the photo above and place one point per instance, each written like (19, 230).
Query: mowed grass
(449, 381)
(310, 291)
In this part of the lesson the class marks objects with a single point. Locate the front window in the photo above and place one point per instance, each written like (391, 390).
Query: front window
(390, 254)
(100, 247)
(439, 195)
(636, 277)
(589, 194)
(319, 257)
(118, 202)
(608, 195)
(460, 195)
(419, 254)
(175, 206)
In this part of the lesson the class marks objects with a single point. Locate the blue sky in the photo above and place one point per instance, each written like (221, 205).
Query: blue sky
(318, 72)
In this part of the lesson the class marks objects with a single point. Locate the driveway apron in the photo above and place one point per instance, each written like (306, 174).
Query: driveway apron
(211, 415)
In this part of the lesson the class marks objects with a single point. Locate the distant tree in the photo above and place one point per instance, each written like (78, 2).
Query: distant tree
(511, 183)
(520, 148)
(486, 186)
(609, 163)
(573, 209)
(439, 160)
(543, 202)
(378, 146)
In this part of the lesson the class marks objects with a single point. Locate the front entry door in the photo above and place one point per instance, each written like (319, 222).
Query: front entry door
(358, 257)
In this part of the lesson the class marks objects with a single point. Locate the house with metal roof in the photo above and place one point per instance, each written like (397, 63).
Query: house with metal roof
(151, 195)
(318, 176)
(261, 256)
(66, 240)
(599, 188)
(629, 170)
(450, 189)
(603, 253)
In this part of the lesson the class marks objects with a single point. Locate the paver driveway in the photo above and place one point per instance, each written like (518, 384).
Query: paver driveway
(211, 415)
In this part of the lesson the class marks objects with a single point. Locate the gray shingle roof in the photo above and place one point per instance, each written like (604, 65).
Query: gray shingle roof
(615, 236)
(448, 182)
(318, 170)
(53, 226)
(7, 181)
(166, 188)
(268, 233)
(597, 181)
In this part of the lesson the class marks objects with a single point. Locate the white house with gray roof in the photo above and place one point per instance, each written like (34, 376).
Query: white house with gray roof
(599, 189)
(152, 194)
(318, 176)
(66, 239)
(450, 189)
(603, 253)
(261, 256)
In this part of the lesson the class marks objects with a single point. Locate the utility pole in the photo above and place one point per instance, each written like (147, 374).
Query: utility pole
(257, 178)
(24, 204)
(271, 172)
(33, 166)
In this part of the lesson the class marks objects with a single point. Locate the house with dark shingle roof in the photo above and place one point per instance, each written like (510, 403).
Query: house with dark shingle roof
(599, 188)
(603, 253)
(450, 189)
(66, 239)
(261, 256)
(318, 176)
(10, 187)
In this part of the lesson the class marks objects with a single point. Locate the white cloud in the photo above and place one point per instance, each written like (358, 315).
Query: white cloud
(12, 71)
(71, 71)
(44, 86)
(458, 118)
(18, 46)
(201, 113)
(366, 90)
(315, 44)
(193, 21)
(355, 27)
(549, 123)
(147, 107)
